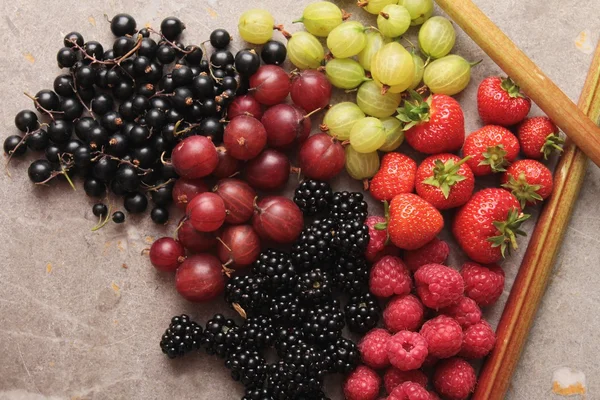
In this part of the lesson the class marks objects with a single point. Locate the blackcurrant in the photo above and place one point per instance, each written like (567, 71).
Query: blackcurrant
(182, 75)
(140, 104)
(194, 113)
(63, 85)
(144, 156)
(108, 55)
(147, 48)
(11, 143)
(117, 145)
(163, 195)
(220, 38)
(123, 90)
(138, 135)
(94, 49)
(94, 187)
(97, 137)
(167, 84)
(161, 103)
(86, 94)
(211, 127)
(122, 46)
(229, 82)
(52, 153)
(165, 54)
(48, 100)
(118, 217)
(144, 32)
(117, 188)
(155, 118)
(122, 24)
(82, 156)
(221, 58)
(71, 146)
(66, 57)
(141, 66)
(127, 177)
(247, 62)
(111, 121)
(60, 130)
(38, 140)
(83, 126)
(105, 169)
(171, 28)
(193, 55)
(85, 76)
(219, 73)
(26, 121)
(71, 108)
(183, 98)
(209, 108)
(73, 37)
(273, 52)
(135, 203)
(203, 86)
(101, 78)
(39, 171)
(99, 209)
(159, 215)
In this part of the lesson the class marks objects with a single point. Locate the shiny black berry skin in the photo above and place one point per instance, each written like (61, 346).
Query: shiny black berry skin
(105, 169)
(182, 75)
(48, 100)
(165, 54)
(324, 323)
(221, 58)
(66, 57)
(314, 247)
(171, 28)
(94, 49)
(11, 143)
(97, 137)
(286, 309)
(211, 127)
(135, 203)
(257, 394)
(247, 366)
(94, 187)
(39, 171)
(273, 52)
(194, 54)
(59, 131)
(26, 121)
(351, 274)
(85, 76)
(159, 215)
(257, 332)
(352, 238)
(147, 48)
(314, 287)
(111, 121)
(63, 85)
(83, 126)
(102, 103)
(344, 356)
(99, 210)
(71, 108)
(122, 46)
(220, 38)
(52, 153)
(246, 292)
(181, 337)
(247, 62)
(122, 24)
(203, 87)
(276, 270)
(127, 176)
(313, 197)
(118, 217)
(73, 37)
(362, 313)
(349, 206)
(38, 141)
(286, 338)
(217, 338)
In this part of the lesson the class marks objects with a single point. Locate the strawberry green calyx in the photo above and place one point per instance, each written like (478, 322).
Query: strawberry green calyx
(522, 190)
(495, 158)
(445, 175)
(386, 213)
(553, 143)
(415, 110)
(509, 230)
(511, 88)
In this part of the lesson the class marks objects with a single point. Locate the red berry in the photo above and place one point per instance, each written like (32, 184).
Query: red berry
(270, 170)
(444, 336)
(500, 102)
(238, 198)
(539, 137)
(389, 276)
(196, 241)
(491, 148)
(409, 391)
(194, 157)
(278, 219)
(393, 377)
(362, 384)
(244, 137)
(166, 254)
(245, 105)
(207, 212)
(478, 341)
(454, 379)
(407, 350)
(270, 84)
(529, 181)
(377, 237)
(184, 190)
(438, 286)
(321, 157)
(311, 90)
(239, 246)
(484, 284)
(373, 348)
(396, 175)
(434, 252)
(227, 165)
(466, 312)
(403, 313)
(200, 278)
(285, 125)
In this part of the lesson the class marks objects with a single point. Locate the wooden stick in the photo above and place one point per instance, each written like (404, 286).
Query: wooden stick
(532, 279)
(526, 74)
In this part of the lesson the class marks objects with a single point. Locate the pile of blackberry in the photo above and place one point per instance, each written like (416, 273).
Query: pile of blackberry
(290, 302)
(116, 112)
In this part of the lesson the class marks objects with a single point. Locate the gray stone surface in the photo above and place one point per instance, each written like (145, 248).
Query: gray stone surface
(81, 313)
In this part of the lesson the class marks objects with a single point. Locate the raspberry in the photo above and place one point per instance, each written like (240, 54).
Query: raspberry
(484, 284)
(433, 396)
(454, 379)
(403, 313)
(434, 252)
(394, 377)
(378, 237)
(389, 276)
(444, 336)
(373, 350)
(466, 312)
(478, 341)
(409, 391)
(438, 286)
(407, 350)
(362, 384)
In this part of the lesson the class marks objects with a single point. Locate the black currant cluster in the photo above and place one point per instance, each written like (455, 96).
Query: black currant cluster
(290, 302)
(128, 105)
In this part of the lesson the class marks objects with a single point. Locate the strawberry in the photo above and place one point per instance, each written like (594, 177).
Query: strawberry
(488, 225)
(435, 125)
(539, 137)
(492, 148)
(529, 181)
(412, 222)
(396, 175)
(500, 102)
(445, 181)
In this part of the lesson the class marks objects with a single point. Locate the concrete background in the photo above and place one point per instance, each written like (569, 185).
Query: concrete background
(81, 313)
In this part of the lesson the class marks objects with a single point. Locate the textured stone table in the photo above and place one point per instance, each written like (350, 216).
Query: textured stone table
(81, 313)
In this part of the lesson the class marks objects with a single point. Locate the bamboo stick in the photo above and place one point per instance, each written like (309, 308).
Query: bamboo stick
(532, 279)
(526, 74)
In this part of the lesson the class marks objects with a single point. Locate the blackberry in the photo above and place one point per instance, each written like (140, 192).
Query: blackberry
(349, 206)
(258, 394)
(324, 323)
(314, 287)
(286, 338)
(220, 335)
(313, 197)
(308, 360)
(285, 309)
(352, 238)
(314, 247)
(344, 356)
(245, 294)
(257, 332)
(351, 275)
(182, 336)
(286, 381)
(247, 366)
(275, 269)
(362, 313)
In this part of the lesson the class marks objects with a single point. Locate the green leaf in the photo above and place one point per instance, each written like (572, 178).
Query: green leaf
(381, 226)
